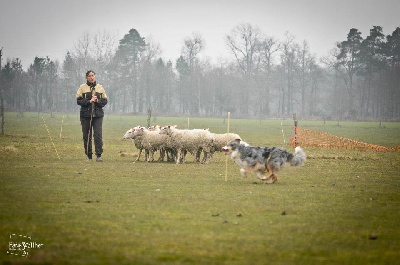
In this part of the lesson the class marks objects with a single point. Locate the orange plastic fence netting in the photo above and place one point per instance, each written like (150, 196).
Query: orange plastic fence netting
(311, 138)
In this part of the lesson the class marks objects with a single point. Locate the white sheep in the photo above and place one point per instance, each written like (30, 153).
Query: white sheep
(167, 148)
(137, 141)
(188, 141)
(177, 142)
(220, 140)
(153, 141)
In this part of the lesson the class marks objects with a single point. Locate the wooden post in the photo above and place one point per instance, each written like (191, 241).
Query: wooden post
(148, 117)
(226, 159)
(2, 117)
(1, 99)
(295, 129)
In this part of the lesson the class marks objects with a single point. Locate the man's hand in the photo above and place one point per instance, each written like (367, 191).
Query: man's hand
(93, 99)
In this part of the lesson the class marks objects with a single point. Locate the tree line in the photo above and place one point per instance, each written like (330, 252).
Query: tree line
(265, 77)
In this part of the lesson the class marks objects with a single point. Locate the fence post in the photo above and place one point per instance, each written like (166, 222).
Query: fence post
(295, 129)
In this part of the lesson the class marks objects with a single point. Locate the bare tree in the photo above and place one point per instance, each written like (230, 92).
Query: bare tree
(317, 76)
(267, 47)
(243, 41)
(335, 103)
(103, 46)
(305, 60)
(148, 78)
(192, 47)
(1, 96)
(82, 54)
(289, 64)
(94, 51)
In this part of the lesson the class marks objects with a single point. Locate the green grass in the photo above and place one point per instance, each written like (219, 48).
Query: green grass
(119, 212)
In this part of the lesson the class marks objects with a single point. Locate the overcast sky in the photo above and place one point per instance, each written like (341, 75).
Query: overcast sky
(30, 28)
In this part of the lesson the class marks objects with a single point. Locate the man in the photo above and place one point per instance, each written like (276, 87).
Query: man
(92, 98)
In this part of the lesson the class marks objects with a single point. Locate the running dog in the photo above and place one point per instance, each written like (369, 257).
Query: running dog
(259, 159)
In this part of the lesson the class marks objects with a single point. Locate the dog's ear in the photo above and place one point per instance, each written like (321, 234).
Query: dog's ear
(237, 141)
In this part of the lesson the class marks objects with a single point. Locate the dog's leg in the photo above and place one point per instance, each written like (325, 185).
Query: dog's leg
(259, 170)
(271, 177)
(243, 172)
(274, 177)
(260, 175)
(269, 180)
(269, 169)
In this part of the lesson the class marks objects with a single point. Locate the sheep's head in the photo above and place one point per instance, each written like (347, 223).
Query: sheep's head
(155, 128)
(138, 131)
(167, 129)
(129, 134)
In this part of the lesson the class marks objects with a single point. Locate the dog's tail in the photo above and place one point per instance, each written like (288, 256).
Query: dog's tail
(298, 158)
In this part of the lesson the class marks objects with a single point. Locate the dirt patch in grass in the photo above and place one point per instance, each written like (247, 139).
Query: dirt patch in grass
(9, 148)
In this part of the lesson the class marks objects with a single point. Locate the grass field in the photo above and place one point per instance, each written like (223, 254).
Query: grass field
(342, 207)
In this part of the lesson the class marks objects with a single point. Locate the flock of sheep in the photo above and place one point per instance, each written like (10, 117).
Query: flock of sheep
(176, 143)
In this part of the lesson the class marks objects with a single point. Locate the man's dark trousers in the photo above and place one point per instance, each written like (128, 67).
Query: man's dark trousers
(97, 124)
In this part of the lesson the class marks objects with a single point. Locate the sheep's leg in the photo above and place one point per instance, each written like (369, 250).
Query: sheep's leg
(183, 156)
(150, 157)
(179, 156)
(210, 156)
(162, 154)
(140, 151)
(198, 154)
(170, 156)
(173, 154)
(205, 157)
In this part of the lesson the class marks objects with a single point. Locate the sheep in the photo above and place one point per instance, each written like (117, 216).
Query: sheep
(188, 141)
(152, 141)
(220, 140)
(143, 141)
(156, 128)
(166, 148)
(136, 140)
(177, 142)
